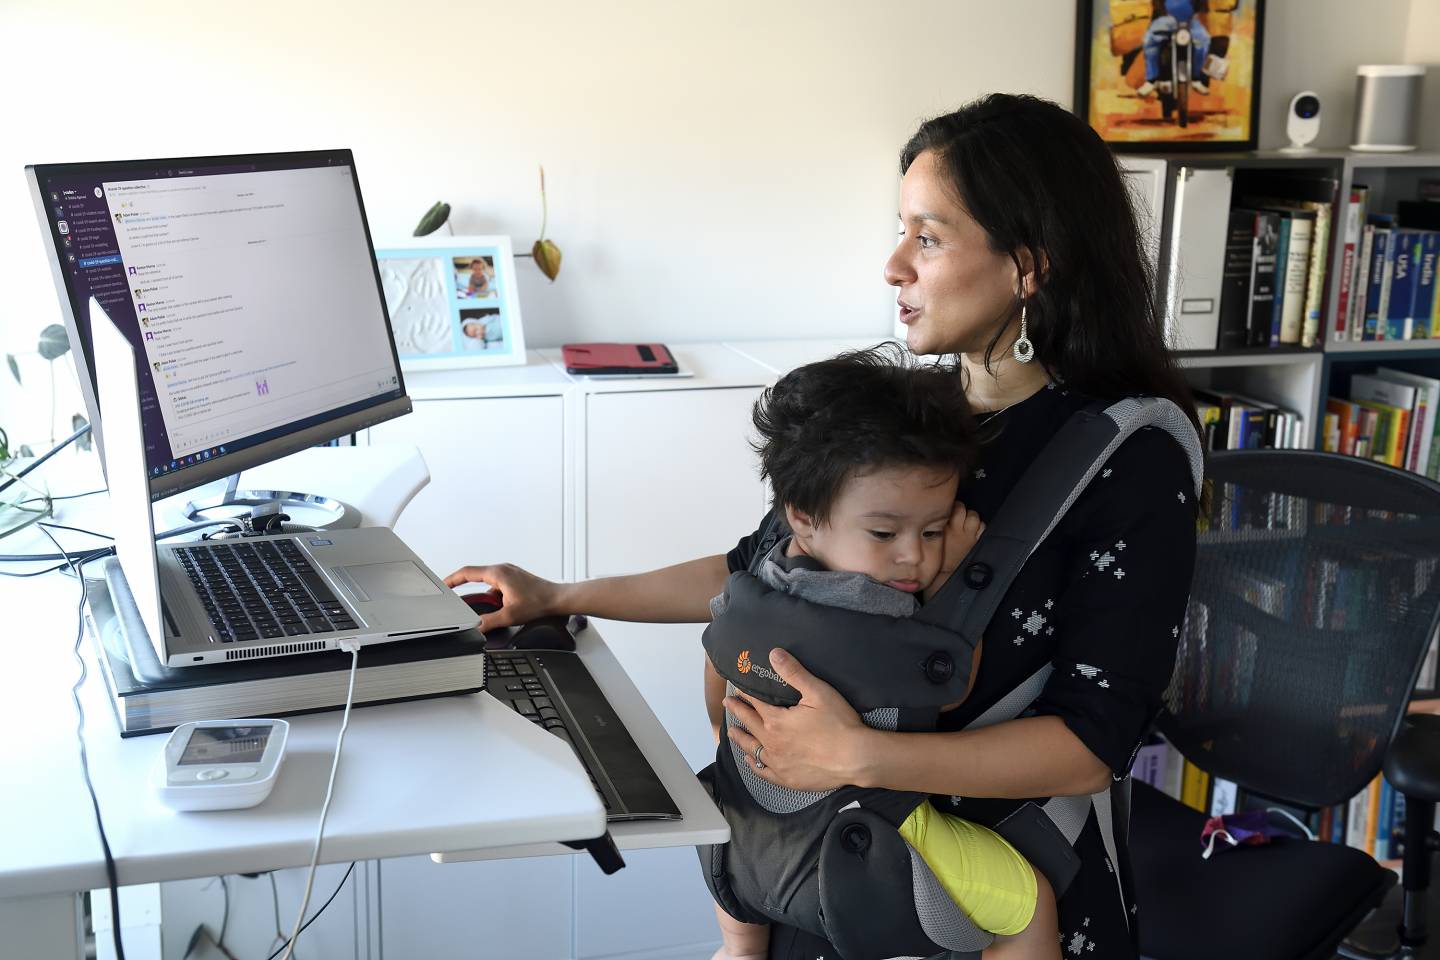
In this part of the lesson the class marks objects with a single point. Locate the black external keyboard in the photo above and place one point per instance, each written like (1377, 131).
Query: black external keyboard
(552, 689)
(265, 589)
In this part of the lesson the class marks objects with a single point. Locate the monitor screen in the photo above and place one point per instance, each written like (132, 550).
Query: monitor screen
(248, 288)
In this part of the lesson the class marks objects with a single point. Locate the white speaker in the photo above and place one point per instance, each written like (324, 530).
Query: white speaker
(1387, 107)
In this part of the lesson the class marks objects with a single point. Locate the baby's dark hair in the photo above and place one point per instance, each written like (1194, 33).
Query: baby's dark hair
(823, 423)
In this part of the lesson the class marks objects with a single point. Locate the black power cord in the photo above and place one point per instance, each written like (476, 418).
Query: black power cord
(53, 450)
(79, 569)
(281, 949)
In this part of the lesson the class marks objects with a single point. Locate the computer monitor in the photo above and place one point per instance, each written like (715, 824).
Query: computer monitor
(247, 286)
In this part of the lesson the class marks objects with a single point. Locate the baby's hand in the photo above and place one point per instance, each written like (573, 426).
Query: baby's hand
(961, 534)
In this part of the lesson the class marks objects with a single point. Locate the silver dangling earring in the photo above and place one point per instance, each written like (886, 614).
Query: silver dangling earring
(1024, 349)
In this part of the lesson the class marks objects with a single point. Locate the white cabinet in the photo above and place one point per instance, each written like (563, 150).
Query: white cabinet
(497, 482)
(491, 908)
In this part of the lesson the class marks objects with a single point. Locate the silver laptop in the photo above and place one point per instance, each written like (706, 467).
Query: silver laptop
(266, 596)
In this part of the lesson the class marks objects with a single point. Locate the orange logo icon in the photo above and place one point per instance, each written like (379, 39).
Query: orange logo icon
(743, 664)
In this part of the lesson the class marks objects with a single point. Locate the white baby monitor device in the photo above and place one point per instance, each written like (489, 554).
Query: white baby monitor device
(1302, 122)
(220, 764)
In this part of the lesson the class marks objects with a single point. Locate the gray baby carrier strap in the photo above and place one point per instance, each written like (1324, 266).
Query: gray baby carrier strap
(832, 862)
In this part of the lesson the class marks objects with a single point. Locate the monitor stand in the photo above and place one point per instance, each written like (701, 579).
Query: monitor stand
(309, 509)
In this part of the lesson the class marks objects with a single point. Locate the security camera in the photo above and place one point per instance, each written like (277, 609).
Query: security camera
(1302, 122)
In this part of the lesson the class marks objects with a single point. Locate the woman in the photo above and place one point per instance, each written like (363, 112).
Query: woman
(1018, 252)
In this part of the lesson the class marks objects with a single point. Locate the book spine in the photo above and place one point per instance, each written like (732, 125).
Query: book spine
(1418, 418)
(1387, 282)
(1372, 814)
(1262, 280)
(1235, 280)
(1424, 312)
(1315, 276)
(1375, 289)
(1282, 279)
(1355, 819)
(1399, 315)
(1224, 797)
(1382, 820)
(1349, 251)
(1361, 286)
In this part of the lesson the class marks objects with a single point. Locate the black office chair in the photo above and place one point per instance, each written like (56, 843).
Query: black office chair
(1316, 593)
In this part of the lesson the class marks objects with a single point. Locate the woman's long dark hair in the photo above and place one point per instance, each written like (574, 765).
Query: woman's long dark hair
(1037, 178)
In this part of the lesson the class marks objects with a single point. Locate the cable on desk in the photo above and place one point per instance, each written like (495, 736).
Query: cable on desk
(68, 496)
(95, 552)
(351, 644)
(53, 450)
(79, 568)
(338, 887)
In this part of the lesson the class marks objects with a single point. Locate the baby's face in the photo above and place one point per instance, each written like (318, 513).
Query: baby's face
(888, 524)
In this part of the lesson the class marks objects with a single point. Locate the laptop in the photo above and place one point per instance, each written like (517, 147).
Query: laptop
(263, 596)
(227, 312)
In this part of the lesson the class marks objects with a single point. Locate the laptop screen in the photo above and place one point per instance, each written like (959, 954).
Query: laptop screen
(248, 289)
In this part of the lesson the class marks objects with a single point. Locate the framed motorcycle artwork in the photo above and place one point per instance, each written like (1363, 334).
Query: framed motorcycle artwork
(1170, 75)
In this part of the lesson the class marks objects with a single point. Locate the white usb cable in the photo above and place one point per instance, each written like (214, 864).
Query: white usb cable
(351, 644)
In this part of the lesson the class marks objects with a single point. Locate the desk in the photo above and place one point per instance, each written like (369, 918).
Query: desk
(459, 773)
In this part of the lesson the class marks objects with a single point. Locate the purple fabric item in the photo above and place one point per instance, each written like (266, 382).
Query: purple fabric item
(1250, 828)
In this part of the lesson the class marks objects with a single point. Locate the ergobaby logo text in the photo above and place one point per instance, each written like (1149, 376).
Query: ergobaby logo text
(745, 665)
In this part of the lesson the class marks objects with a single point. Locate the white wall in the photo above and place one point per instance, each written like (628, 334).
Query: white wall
(1316, 45)
(716, 170)
(1422, 45)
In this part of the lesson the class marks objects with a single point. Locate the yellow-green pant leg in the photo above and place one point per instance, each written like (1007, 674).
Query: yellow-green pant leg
(982, 872)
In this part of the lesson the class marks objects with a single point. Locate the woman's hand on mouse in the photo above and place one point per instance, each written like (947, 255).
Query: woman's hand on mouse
(525, 596)
(818, 744)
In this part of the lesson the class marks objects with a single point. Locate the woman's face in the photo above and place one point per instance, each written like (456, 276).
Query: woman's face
(955, 291)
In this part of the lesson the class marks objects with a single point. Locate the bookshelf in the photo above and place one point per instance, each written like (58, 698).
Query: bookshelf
(1296, 377)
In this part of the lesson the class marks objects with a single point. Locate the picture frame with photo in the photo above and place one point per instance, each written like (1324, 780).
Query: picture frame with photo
(1128, 90)
(452, 301)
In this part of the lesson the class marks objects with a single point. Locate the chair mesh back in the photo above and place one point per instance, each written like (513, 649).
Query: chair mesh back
(1315, 596)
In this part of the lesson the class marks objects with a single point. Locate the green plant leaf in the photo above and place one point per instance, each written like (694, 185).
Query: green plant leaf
(14, 368)
(54, 342)
(76, 422)
(433, 220)
(547, 258)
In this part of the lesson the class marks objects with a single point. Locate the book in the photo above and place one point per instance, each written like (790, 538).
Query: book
(1362, 282)
(1347, 417)
(1391, 425)
(1400, 397)
(1350, 251)
(1315, 249)
(1398, 319)
(1235, 279)
(1282, 277)
(619, 359)
(273, 686)
(1262, 278)
(1377, 291)
(1423, 311)
(1425, 416)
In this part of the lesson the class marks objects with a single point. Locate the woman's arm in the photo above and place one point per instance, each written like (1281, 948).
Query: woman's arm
(821, 743)
(675, 594)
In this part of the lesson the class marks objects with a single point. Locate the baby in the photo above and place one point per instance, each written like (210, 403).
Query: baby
(864, 453)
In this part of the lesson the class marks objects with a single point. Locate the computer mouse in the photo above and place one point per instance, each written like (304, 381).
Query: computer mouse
(547, 633)
(483, 603)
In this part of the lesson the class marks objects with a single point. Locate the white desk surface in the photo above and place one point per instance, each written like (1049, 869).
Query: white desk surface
(448, 773)
(537, 376)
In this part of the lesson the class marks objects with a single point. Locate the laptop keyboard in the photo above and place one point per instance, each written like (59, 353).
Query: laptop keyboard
(553, 690)
(263, 590)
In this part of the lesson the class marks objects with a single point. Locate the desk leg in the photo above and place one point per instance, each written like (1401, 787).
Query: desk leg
(45, 928)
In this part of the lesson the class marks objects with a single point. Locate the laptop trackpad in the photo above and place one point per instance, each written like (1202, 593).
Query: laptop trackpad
(376, 581)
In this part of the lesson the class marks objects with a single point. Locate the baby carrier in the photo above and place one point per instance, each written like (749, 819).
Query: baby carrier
(832, 863)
